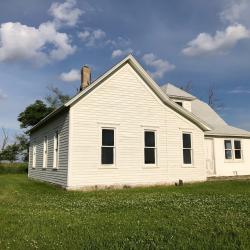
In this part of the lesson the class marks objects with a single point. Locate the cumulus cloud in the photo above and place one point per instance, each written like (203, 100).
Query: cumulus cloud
(160, 66)
(71, 76)
(65, 13)
(204, 43)
(40, 45)
(237, 11)
(119, 52)
(92, 38)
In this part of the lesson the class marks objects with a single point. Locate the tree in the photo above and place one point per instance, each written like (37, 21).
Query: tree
(33, 114)
(10, 153)
(56, 98)
(23, 146)
(213, 101)
(5, 139)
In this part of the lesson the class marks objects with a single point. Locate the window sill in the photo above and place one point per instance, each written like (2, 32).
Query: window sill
(233, 161)
(149, 166)
(188, 166)
(108, 167)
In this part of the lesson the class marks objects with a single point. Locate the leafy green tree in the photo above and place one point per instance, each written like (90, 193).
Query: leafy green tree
(10, 153)
(33, 114)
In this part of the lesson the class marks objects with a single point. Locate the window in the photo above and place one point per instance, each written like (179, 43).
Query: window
(228, 149)
(233, 149)
(187, 148)
(179, 103)
(45, 152)
(149, 147)
(56, 150)
(237, 149)
(108, 146)
(34, 156)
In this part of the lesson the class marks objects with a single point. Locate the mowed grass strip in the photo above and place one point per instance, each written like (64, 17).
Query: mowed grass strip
(211, 215)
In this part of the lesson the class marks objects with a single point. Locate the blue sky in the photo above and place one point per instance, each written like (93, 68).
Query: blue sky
(45, 43)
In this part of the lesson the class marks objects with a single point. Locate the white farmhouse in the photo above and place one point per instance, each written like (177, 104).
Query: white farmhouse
(123, 129)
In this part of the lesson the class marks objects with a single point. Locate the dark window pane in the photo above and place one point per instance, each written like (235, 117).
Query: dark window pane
(107, 137)
(237, 145)
(186, 140)
(149, 139)
(179, 103)
(228, 154)
(237, 154)
(187, 156)
(149, 156)
(107, 155)
(228, 144)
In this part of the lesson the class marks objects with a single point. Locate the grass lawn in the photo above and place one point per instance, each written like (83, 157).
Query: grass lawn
(212, 215)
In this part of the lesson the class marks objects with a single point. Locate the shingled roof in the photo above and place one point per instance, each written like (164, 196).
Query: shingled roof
(205, 113)
(175, 92)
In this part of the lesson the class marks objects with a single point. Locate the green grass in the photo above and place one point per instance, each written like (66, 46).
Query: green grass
(212, 215)
(13, 168)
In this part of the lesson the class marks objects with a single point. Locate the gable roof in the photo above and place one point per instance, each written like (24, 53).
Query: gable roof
(202, 110)
(145, 76)
(174, 92)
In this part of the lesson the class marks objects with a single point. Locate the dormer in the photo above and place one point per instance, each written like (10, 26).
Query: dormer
(179, 96)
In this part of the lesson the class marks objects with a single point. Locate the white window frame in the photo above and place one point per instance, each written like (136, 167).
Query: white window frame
(56, 150)
(113, 165)
(45, 152)
(191, 149)
(148, 165)
(34, 151)
(233, 159)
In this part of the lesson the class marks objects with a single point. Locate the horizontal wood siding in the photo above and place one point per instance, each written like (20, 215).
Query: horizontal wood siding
(125, 102)
(56, 176)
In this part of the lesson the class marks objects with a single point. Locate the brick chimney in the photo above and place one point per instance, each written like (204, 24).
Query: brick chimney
(85, 77)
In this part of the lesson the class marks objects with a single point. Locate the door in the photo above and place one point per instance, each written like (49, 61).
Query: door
(209, 154)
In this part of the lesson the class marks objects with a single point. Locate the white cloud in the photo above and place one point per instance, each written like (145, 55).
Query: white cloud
(204, 43)
(65, 13)
(160, 66)
(71, 76)
(119, 53)
(40, 45)
(236, 12)
(2, 95)
(92, 37)
(239, 91)
(118, 42)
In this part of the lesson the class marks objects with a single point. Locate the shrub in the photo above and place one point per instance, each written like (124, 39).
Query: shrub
(13, 168)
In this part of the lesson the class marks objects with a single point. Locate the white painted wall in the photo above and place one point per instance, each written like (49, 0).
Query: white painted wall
(228, 167)
(125, 102)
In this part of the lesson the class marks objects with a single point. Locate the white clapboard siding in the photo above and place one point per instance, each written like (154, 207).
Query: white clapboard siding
(231, 167)
(56, 176)
(125, 102)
